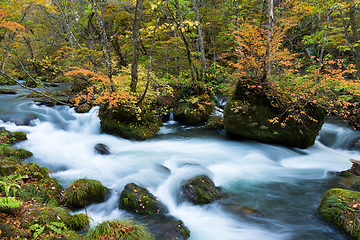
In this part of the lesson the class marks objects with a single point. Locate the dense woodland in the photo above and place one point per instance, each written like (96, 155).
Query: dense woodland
(134, 52)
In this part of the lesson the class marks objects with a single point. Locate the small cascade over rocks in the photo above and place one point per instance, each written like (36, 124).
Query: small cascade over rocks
(285, 184)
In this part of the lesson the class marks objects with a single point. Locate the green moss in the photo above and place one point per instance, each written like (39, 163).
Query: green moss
(192, 107)
(248, 114)
(139, 200)
(342, 207)
(200, 190)
(7, 138)
(78, 221)
(55, 221)
(124, 229)
(45, 191)
(33, 171)
(43, 214)
(215, 123)
(83, 108)
(8, 231)
(185, 232)
(83, 192)
(127, 125)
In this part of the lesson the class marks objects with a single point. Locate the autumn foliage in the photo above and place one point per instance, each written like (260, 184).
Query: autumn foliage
(288, 87)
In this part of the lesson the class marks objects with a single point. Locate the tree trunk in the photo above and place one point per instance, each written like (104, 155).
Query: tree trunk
(105, 43)
(186, 42)
(355, 37)
(329, 12)
(28, 44)
(151, 51)
(196, 4)
(136, 40)
(268, 41)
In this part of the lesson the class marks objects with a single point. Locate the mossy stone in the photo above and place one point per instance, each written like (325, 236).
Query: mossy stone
(342, 207)
(247, 115)
(139, 200)
(200, 190)
(33, 171)
(127, 125)
(83, 192)
(83, 108)
(9, 152)
(165, 227)
(194, 109)
(215, 123)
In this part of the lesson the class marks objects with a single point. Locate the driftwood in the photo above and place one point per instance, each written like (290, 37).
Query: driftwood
(355, 168)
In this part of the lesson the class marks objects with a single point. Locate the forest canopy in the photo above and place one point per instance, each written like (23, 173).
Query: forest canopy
(133, 52)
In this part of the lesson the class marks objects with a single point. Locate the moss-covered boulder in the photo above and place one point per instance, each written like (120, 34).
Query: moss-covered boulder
(130, 123)
(342, 207)
(119, 229)
(251, 114)
(200, 190)
(33, 171)
(83, 108)
(165, 227)
(193, 106)
(215, 123)
(139, 200)
(11, 137)
(83, 192)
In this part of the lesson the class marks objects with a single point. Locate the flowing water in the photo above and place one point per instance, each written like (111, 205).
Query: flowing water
(285, 184)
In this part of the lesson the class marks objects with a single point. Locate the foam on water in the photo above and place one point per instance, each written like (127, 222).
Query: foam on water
(257, 175)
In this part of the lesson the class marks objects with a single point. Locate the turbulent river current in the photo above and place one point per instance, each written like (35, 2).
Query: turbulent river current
(284, 184)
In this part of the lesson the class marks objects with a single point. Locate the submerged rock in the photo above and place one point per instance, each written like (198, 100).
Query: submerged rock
(243, 210)
(351, 178)
(342, 207)
(7, 91)
(247, 114)
(139, 200)
(83, 192)
(102, 149)
(165, 227)
(200, 190)
(20, 119)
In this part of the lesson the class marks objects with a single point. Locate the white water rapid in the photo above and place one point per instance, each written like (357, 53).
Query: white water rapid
(285, 185)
